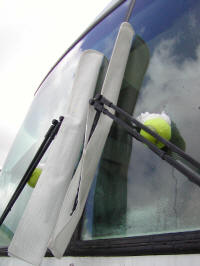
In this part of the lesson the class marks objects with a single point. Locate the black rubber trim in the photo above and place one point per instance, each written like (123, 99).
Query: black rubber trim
(162, 244)
(4, 252)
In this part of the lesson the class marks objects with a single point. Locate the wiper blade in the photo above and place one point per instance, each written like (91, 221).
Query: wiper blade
(100, 101)
(49, 136)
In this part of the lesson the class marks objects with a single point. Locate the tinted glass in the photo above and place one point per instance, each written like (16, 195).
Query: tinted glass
(49, 103)
(135, 192)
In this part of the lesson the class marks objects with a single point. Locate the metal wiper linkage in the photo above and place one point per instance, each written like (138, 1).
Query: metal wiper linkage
(99, 101)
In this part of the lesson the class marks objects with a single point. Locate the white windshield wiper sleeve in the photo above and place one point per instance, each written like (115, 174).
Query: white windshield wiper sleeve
(100, 101)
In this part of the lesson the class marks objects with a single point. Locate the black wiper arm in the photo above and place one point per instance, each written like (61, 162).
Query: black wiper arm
(49, 136)
(99, 101)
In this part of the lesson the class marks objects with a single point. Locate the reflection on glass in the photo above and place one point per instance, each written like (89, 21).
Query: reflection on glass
(135, 192)
(49, 103)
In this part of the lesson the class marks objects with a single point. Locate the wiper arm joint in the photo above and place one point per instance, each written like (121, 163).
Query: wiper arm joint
(99, 102)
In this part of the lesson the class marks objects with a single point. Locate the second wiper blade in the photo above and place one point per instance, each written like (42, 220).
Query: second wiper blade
(99, 101)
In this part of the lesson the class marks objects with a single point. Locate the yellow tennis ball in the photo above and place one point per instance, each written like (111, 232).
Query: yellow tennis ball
(159, 126)
(34, 177)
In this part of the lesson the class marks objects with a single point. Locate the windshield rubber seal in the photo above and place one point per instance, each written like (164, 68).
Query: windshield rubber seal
(187, 242)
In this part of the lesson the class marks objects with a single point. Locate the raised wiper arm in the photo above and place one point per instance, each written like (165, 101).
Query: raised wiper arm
(49, 136)
(100, 101)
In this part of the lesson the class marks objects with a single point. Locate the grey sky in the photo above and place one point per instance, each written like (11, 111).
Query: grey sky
(34, 34)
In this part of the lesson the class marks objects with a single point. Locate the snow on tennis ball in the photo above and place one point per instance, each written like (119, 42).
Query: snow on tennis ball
(159, 123)
(34, 177)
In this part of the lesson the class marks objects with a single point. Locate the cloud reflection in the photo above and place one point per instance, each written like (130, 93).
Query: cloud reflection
(160, 199)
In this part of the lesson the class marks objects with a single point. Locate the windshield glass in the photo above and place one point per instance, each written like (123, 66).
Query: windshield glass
(45, 107)
(135, 193)
(49, 103)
